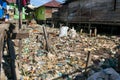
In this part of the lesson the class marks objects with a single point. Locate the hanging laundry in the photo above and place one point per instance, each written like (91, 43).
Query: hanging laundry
(3, 6)
(1, 13)
(24, 2)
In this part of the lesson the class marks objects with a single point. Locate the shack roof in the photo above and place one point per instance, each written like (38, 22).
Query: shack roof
(53, 3)
(11, 1)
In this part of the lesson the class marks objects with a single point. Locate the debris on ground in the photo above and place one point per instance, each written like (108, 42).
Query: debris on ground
(66, 54)
(106, 74)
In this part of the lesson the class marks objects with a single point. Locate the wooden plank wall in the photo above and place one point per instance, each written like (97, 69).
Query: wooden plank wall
(92, 10)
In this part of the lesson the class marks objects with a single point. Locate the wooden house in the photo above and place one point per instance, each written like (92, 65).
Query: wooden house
(86, 14)
(45, 11)
(94, 11)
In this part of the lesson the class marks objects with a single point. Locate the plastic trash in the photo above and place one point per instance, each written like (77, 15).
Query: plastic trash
(63, 31)
(106, 74)
(72, 33)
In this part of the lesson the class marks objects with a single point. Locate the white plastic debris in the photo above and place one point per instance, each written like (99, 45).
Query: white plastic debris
(73, 33)
(63, 31)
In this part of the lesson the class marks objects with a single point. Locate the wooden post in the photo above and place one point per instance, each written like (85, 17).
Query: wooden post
(81, 31)
(12, 58)
(20, 24)
(53, 25)
(67, 14)
(90, 33)
(114, 4)
(88, 60)
(20, 41)
(17, 27)
(20, 13)
(46, 38)
(2, 73)
(95, 32)
(3, 27)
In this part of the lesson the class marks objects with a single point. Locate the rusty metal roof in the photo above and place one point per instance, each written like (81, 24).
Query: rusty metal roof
(11, 1)
(52, 3)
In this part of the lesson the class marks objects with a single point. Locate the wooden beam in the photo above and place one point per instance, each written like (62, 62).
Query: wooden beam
(114, 5)
(46, 39)
(88, 60)
(95, 32)
(19, 35)
(3, 27)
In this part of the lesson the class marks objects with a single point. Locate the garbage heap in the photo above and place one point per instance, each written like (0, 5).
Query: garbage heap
(65, 55)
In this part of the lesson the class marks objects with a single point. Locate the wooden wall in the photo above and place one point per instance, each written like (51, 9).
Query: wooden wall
(91, 10)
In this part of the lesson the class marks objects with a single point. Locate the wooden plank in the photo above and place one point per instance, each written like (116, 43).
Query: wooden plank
(12, 58)
(3, 27)
(114, 3)
(1, 44)
(19, 35)
(46, 39)
(2, 35)
(95, 10)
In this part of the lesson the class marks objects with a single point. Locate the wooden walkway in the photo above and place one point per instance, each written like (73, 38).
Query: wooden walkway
(3, 29)
(7, 34)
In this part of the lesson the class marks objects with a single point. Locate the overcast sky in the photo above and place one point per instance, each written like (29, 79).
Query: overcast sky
(41, 2)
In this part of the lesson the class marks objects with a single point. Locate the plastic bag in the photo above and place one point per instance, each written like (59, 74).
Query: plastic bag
(63, 31)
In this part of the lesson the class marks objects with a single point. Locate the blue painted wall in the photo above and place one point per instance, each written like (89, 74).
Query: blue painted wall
(3, 5)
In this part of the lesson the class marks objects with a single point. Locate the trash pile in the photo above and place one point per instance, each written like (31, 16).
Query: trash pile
(66, 54)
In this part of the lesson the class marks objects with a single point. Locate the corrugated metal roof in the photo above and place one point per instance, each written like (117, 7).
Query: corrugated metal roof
(52, 3)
